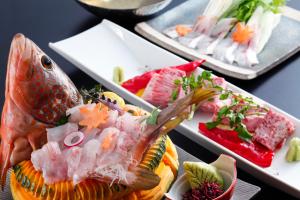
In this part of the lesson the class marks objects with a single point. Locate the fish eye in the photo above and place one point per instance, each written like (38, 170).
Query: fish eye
(46, 62)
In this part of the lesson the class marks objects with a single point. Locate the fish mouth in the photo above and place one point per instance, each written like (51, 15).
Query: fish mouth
(22, 57)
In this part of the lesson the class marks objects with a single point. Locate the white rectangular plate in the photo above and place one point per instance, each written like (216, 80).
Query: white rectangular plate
(98, 50)
(276, 51)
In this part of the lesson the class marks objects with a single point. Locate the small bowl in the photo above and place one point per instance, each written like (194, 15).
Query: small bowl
(128, 8)
(226, 166)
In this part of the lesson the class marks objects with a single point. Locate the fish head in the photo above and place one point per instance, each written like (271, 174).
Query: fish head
(36, 84)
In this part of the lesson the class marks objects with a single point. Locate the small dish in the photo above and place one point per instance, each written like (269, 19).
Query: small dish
(130, 8)
(226, 165)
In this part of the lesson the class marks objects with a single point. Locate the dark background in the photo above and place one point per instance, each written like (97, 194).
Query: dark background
(54, 20)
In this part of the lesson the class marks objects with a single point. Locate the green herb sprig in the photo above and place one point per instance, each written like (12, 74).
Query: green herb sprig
(91, 94)
(236, 112)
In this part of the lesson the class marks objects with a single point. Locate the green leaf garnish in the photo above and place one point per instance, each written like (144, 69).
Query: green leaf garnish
(152, 119)
(243, 132)
(211, 125)
(63, 120)
(174, 94)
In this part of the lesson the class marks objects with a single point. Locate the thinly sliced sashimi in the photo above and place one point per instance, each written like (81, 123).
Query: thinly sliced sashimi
(89, 134)
(58, 134)
(221, 49)
(203, 44)
(205, 24)
(75, 115)
(245, 56)
(87, 160)
(160, 88)
(191, 40)
(132, 125)
(73, 156)
(223, 27)
(51, 162)
(112, 119)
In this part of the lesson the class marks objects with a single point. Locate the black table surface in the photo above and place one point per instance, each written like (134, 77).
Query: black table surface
(53, 20)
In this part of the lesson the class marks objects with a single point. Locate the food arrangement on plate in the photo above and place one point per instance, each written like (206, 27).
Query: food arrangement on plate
(232, 31)
(66, 144)
(237, 122)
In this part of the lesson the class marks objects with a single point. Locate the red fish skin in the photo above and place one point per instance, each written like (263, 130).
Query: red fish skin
(37, 95)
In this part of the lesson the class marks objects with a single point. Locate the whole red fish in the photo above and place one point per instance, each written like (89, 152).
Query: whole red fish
(37, 95)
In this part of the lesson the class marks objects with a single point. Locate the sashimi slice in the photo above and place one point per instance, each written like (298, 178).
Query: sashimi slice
(159, 90)
(72, 156)
(58, 134)
(132, 125)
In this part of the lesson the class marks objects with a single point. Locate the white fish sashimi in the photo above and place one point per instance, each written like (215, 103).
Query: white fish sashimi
(57, 134)
(223, 27)
(73, 156)
(89, 134)
(191, 40)
(75, 115)
(205, 24)
(221, 49)
(87, 160)
(131, 125)
(51, 162)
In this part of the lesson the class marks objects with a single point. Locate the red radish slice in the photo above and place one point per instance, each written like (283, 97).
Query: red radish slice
(73, 139)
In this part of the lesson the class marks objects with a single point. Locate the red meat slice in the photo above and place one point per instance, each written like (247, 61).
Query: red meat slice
(159, 90)
(214, 105)
(273, 130)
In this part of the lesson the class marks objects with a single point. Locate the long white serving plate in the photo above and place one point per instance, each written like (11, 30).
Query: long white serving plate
(98, 50)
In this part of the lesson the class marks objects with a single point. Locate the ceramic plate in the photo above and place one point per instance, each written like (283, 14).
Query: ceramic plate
(98, 50)
(276, 51)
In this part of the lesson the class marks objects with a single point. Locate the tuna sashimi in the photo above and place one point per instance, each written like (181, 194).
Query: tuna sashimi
(159, 90)
(273, 130)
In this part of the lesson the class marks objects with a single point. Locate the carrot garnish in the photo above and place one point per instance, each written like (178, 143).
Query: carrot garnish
(95, 117)
(107, 141)
(242, 34)
(183, 30)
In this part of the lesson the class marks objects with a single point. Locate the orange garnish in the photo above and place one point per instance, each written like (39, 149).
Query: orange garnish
(242, 34)
(183, 30)
(95, 117)
(106, 141)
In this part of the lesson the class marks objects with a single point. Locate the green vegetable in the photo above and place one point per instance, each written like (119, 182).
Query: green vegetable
(118, 76)
(197, 173)
(63, 120)
(91, 94)
(293, 153)
(245, 9)
(152, 119)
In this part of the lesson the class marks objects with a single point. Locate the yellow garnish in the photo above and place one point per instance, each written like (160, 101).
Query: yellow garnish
(114, 96)
(242, 34)
(140, 92)
(183, 30)
(95, 117)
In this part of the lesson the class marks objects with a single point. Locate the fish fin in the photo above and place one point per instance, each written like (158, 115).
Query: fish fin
(145, 179)
(5, 153)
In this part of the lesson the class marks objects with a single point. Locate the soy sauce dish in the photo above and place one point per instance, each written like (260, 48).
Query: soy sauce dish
(130, 8)
(224, 166)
